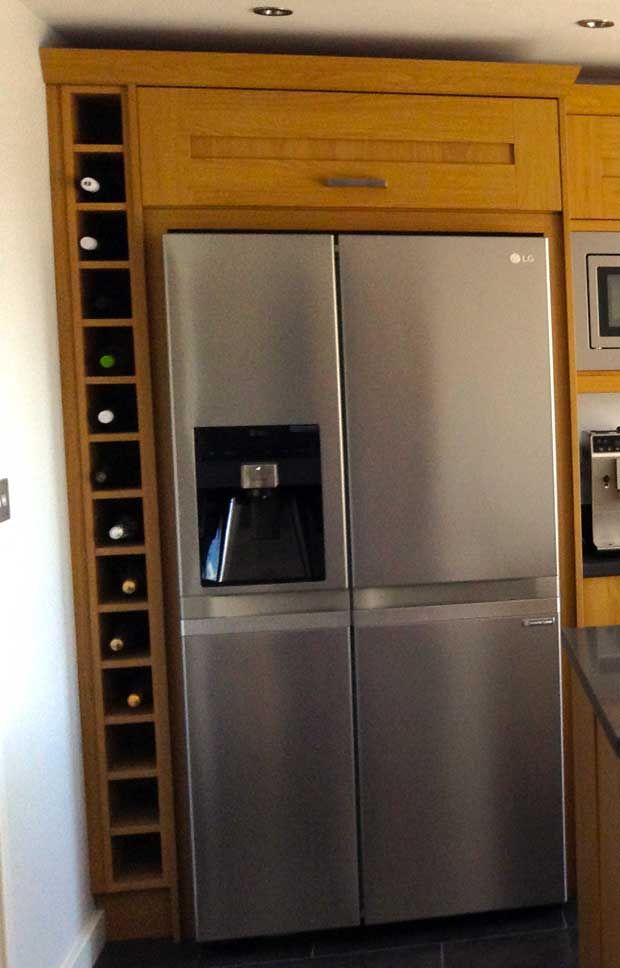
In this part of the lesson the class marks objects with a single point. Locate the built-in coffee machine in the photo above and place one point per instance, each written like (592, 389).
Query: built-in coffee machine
(605, 480)
(260, 515)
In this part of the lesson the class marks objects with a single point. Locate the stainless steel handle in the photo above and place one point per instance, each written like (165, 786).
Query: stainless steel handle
(356, 182)
(527, 622)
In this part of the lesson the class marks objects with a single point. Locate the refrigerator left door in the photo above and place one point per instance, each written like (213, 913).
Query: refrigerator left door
(272, 782)
(253, 350)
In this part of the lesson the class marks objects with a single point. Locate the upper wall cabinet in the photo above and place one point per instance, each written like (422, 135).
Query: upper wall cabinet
(338, 150)
(594, 166)
(593, 136)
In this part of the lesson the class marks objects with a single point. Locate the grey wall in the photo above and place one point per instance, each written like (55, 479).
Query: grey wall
(48, 911)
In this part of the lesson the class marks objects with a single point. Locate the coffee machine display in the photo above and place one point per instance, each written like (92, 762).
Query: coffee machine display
(260, 517)
(605, 466)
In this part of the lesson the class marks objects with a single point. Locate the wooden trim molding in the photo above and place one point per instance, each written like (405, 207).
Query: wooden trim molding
(304, 73)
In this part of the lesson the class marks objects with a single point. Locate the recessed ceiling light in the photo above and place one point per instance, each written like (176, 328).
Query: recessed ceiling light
(593, 23)
(272, 11)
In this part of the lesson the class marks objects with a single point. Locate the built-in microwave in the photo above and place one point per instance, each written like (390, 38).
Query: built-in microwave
(596, 276)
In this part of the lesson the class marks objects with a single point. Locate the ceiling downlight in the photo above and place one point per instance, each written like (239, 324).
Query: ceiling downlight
(272, 11)
(594, 23)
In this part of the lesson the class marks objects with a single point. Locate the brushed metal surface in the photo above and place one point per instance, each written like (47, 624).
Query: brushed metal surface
(535, 608)
(266, 623)
(460, 768)
(269, 603)
(271, 782)
(253, 340)
(449, 408)
(585, 303)
(454, 593)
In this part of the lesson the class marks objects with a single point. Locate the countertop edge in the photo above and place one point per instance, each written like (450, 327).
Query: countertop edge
(590, 692)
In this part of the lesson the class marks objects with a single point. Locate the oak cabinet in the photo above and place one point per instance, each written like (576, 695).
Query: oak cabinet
(327, 149)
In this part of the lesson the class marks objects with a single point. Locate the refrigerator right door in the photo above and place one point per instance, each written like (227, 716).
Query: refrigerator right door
(449, 408)
(460, 765)
(452, 506)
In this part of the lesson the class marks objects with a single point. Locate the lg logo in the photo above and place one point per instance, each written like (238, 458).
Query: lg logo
(515, 258)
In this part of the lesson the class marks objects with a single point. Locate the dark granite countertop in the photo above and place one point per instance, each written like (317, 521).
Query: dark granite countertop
(594, 654)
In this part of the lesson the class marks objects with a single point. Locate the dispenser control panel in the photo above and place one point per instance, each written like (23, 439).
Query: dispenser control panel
(606, 442)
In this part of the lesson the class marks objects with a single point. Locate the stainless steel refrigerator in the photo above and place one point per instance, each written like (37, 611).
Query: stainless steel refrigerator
(374, 732)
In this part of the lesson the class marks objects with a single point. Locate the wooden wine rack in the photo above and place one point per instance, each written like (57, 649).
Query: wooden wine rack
(101, 297)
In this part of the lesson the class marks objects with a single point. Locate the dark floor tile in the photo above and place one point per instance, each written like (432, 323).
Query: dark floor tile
(148, 954)
(419, 956)
(547, 949)
(255, 950)
(408, 933)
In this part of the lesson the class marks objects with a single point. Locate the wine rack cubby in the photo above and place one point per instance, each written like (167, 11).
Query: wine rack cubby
(118, 523)
(128, 693)
(102, 236)
(122, 580)
(112, 409)
(134, 805)
(113, 498)
(131, 751)
(98, 119)
(124, 638)
(137, 858)
(115, 466)
(107, 169)
(109, 351)
(106, 293)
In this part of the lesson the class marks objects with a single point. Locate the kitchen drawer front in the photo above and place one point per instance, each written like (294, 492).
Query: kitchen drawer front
(594, 166)
(275, 148)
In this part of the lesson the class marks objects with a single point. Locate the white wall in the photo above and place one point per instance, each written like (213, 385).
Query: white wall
(46, 900)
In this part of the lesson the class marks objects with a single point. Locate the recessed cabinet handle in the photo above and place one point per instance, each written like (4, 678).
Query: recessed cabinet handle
(529, 622)
(355, 182)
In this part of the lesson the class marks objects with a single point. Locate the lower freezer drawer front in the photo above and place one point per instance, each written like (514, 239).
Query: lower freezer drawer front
(269, 719)
(460, 767)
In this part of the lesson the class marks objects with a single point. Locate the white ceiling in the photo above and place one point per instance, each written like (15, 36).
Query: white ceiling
(511, 30)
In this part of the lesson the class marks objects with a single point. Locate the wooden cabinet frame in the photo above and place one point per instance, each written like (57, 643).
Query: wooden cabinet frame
(141, 912)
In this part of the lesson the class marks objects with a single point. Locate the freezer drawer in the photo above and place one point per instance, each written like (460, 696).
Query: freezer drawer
(272, 782)
(460, 767)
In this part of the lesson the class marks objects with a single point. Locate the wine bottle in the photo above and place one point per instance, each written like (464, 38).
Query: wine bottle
(135, 699)
(114, 359)
(130, 585)
(125, 528)
(88, 243)
(106, 417)
(103, 475)
(90, 185)
(123, 635)
(139, 692)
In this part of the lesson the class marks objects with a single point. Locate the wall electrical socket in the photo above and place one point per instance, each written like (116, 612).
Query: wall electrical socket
(5, 505)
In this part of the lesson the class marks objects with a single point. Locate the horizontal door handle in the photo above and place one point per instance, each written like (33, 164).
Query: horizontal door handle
(356, 182)
(529, 622)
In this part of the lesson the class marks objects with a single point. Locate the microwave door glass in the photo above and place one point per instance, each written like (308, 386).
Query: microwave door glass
(608, 285)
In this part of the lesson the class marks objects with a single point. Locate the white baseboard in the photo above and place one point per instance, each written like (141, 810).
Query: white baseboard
(89, 945)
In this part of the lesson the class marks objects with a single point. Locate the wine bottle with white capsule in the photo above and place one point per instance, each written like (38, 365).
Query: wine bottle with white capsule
(124, 529)
(101, 178)
(88, 243)
(90, 185)
(106, 417)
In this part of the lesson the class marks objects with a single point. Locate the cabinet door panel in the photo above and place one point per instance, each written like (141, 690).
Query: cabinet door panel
(271, 768)
(281, 148)
(594, 166)
(460, 767)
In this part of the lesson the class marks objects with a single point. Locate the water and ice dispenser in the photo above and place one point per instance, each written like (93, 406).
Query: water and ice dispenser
(260, 516)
